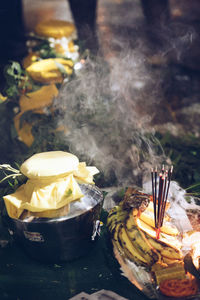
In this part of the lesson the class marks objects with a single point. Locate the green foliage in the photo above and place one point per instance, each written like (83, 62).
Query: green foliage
(17, 80)
(11, 175)
(11, 179)
(15, 76)
(121, 193)
(44, 49)
(184, 152)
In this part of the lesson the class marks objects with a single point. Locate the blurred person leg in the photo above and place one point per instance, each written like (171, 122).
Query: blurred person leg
(12, 41)
(156, 11)
(84, 13)
(157, 17)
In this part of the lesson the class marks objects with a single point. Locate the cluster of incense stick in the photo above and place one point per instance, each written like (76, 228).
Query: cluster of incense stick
(160, 189)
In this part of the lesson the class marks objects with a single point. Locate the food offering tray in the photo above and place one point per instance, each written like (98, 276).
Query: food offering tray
(143, 280)
(181, 215)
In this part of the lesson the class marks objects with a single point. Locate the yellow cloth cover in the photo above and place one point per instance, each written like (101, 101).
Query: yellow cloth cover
(43, 195)
(55, 28)
(47, 70)
(35, 101)
(85, 174)
(50, 165)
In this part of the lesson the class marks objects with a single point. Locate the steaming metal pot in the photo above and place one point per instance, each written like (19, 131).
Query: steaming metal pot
(60, 239)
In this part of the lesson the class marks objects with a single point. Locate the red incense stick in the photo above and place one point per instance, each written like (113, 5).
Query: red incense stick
(160, 200)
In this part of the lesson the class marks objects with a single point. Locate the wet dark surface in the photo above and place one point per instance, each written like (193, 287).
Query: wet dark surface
(27, 279)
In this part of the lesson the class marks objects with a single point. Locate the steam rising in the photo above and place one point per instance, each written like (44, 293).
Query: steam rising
(110, 105)
(107, 111)
(177, 39)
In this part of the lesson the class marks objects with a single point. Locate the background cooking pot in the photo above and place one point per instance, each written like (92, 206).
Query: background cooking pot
(64, 238)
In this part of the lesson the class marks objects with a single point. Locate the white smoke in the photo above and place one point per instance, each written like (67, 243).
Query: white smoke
(109, 107)
(107, 111)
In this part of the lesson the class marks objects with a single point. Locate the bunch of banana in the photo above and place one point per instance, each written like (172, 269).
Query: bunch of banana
(129, 239)
(136, 239)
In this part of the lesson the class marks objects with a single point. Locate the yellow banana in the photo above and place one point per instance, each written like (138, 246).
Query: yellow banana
(171, 253)
(150, 207)
(129, 250)
(168, 228)
(114, 213)
(115, 240)
(169, 240)
(140, 242)
(170, 261)
(156, 245)
(164, 250)
(116, 216)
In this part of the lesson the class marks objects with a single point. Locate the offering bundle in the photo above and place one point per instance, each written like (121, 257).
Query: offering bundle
(146, 243)
(54, 214)
(53, 183)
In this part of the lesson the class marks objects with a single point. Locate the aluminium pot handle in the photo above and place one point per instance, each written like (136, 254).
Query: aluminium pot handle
(96, 229)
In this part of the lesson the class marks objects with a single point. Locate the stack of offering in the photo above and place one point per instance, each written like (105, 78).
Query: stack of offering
(147, 244)
(33, 84)
(52, 38)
